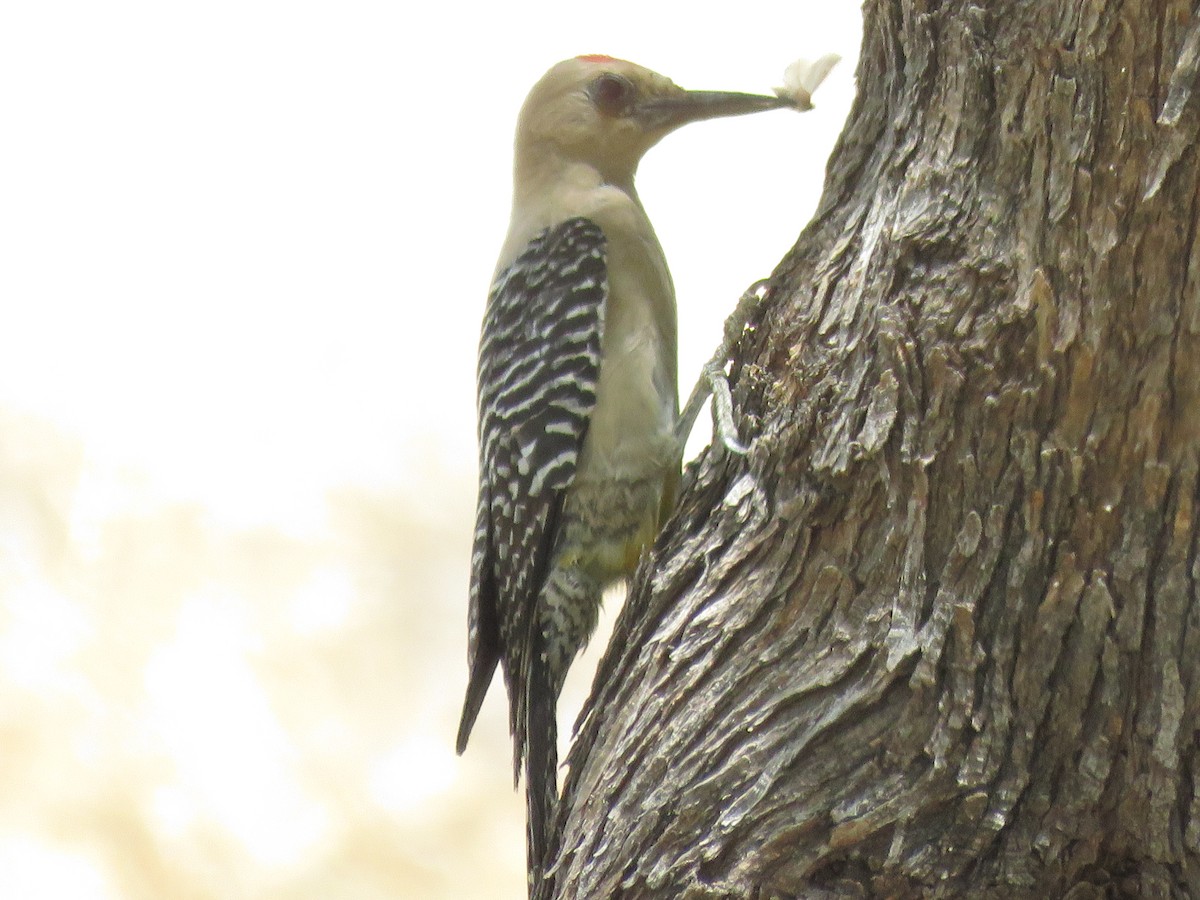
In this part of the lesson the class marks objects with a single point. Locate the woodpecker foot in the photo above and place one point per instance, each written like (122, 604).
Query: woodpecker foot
(713, 380)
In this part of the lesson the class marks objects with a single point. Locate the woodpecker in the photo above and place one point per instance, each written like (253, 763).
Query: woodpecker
(578, 398)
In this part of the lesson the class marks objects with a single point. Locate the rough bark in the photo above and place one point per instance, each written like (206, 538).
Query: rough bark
(938, 634)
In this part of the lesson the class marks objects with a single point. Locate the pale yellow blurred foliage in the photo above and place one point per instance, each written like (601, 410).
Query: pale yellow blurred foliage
(192, 712)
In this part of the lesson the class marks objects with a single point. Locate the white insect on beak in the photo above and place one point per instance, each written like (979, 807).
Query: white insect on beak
(803, 77)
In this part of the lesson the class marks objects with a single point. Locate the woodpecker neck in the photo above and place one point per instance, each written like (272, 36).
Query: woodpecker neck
(536, 170)
(550, 189)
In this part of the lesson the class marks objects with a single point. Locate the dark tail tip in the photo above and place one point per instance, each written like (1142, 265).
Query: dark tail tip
(541, 777)
(464, 731)
(481, 678)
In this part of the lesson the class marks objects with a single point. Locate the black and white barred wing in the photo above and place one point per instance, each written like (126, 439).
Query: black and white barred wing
(539, 364)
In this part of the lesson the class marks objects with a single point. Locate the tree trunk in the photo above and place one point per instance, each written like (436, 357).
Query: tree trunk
(938, 634)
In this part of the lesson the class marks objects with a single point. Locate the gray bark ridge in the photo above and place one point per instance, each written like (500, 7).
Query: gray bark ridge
(938, 634)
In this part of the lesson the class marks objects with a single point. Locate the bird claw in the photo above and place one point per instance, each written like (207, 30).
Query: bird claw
(713, 380)
(722, 409)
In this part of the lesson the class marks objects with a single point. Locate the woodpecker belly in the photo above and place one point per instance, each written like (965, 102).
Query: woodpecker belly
(628, 465)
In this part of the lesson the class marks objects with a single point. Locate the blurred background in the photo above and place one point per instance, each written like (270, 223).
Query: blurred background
(244, 252)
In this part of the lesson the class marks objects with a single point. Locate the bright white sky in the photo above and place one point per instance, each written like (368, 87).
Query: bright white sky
(244, 246)
(244, 252)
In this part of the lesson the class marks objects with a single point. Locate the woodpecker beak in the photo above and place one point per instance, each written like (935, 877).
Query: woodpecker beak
(667, 113)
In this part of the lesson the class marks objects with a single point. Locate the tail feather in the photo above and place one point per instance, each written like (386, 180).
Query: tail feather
(541, 771)
(477, 687)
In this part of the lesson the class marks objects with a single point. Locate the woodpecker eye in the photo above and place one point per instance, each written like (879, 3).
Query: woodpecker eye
(612, 94)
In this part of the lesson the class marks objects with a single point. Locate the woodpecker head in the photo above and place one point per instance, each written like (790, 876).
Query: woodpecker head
(607, 112)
